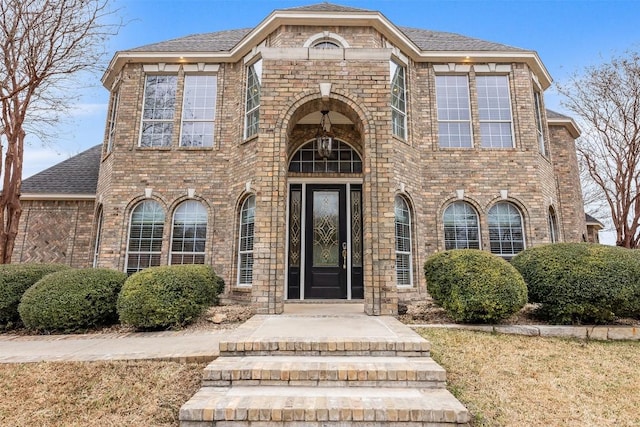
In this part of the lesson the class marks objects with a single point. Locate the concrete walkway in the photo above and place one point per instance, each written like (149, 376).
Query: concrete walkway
(203, 346)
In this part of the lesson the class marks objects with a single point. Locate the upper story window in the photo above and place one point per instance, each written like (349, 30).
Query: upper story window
(506, 232)
(454, 111)
(111, 125)
(252, 109)
(461, 229)
(158, 111)
(198, 110)
(494, 110)
(537, 103)
(398, 100)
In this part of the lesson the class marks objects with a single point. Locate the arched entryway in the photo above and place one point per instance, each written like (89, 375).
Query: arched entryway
(325, 248)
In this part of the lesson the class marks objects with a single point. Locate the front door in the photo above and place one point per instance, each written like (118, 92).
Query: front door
(325, 242)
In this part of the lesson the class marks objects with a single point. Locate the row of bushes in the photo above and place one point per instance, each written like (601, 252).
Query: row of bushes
(572, 282)
(52, 297)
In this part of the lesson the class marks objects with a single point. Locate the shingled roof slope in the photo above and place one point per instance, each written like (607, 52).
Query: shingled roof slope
(326, 7)
(555, 115)
(76, 175)
(224, 41)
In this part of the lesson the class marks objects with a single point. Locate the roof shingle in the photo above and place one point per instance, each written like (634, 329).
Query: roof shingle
(76, 175)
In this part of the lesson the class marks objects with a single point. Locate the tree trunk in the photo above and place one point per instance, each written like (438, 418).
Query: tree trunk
(10, 207)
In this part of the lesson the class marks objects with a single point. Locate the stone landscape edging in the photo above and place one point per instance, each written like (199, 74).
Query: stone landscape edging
(590, 332)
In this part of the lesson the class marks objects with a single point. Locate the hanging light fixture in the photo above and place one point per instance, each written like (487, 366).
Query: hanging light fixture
(324, 141)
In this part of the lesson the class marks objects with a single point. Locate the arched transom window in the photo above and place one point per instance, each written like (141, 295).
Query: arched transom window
(461, 230)
(506, 234)
(145, 236)
(343, 159)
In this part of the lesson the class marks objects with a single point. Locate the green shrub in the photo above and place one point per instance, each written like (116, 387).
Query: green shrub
(474, 286)
(15, 279)
(71, 300)
(170, 296)
(581, 282)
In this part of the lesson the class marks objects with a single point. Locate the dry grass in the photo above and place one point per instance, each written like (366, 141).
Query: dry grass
(508, 380)
(96, 394)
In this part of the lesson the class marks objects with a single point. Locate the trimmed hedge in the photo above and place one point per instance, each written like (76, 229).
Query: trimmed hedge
(15, 279)
(71, 300)
(474, 286)
(169, 296)
(581, 282)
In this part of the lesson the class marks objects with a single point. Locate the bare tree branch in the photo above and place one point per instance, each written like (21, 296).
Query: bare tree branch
(606, 98)
(44, 46)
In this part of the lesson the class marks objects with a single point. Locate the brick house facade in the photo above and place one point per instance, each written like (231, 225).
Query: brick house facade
(323, 154)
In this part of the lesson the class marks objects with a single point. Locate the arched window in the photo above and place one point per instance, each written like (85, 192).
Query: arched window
(189, 233)
(245, 249)
(553, 225)
(96, 244)
(404, 276)
(145, 236)
(461, 230)
(326, 44)
(343, 159)
(506, 234)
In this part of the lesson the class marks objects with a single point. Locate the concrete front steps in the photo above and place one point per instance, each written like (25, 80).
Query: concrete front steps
(265, 378)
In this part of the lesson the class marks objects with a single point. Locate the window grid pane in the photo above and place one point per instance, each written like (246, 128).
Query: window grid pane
(403, 242)
(252, 115)
(145, 236)
(506, 235)
(454, 116)
(343, 159)
(398, 102)
(461, 230)
(538, 111)
(113, 114)
(158, 111)
(245, 253)
(189, 234)
(198, 111)
(494, 109)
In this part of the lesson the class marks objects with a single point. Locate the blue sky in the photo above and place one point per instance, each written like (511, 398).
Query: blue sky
(567, 34)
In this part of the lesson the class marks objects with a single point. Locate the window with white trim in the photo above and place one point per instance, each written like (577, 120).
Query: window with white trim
(198, 110)
(145, 236)
(189, 233)
(158, 110)
(96, 244)
(506, 233)
(537, 102)
(404, 273)
(252, 107)
(111, 125)
(454, 111)
(553, 225)
(461, 227)
(398, 100)
(245, 249)
(326, 44)
(494, 111)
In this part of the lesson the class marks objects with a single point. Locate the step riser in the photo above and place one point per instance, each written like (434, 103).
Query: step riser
(317, 424)
(325, 348)
(312, 383)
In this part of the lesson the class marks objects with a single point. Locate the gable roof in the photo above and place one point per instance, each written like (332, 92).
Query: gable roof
(233, 45)
(557, 119)
(76, 176)
(593, 222)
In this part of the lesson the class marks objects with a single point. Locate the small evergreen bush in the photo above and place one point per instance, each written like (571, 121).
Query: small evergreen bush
(474, 286)
(169, 296)
(581, 282)
(15, 279)
(72, 300)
